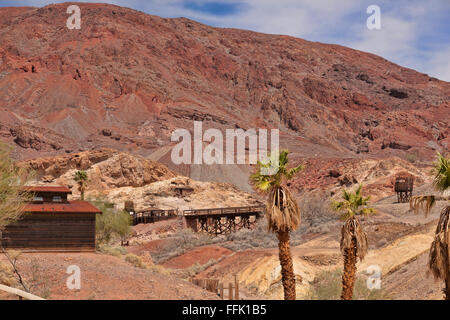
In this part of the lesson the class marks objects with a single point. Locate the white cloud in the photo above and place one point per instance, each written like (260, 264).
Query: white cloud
(394, 41)
(438, 64)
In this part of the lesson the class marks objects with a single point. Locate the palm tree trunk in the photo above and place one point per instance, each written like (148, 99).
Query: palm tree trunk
(287, 267)
(349, 276)
(447, 287)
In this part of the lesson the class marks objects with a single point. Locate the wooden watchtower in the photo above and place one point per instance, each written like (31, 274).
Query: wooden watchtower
(404, 187)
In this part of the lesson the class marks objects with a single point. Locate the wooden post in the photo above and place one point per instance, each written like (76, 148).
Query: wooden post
(20, 293)
(221, 291)
(236, 287)
(230, 291)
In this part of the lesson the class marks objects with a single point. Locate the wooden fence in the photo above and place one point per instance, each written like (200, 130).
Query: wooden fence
(225, 211)
(20, 293)
(226, 292)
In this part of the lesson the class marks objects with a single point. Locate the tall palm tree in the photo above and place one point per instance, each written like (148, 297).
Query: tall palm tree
(438, 260)
(353, 238)
(82, 178)
(282, 212)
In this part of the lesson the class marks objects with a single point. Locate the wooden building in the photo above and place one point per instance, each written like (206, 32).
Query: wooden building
(403, 186)
(183, 190)
(53, 223)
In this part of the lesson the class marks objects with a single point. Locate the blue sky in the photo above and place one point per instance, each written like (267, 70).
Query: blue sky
(414, 33)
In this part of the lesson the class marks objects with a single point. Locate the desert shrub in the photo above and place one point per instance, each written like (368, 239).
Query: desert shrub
(111, 224)
(316, 210)
(160, 269)
(412, 158)
(40, 283)
(197, 268)
(245, 239)
(181, 242)
(135, 261)
(13, 257)
(7, 275)
(112, 250)
(328, 286)
(12, 182)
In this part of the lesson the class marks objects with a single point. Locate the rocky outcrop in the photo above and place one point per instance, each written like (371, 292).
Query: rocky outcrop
(31, 138)
(106, 168)
(119, 177)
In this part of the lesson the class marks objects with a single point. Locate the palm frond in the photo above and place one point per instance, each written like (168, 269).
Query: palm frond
(442, 173)
(352, 231)
(265, 182)
(353, 204)
(282, 212)
(438, 260)
(291, 172)
(422, 203)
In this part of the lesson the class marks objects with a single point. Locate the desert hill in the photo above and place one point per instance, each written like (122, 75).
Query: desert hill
(126, 80)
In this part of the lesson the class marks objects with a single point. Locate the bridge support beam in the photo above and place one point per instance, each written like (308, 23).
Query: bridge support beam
(192, 223)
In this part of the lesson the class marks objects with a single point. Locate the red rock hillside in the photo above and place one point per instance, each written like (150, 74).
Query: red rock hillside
(127, 79)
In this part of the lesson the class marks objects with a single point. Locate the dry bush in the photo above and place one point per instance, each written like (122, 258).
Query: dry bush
(328, 286)
(160, 269)
(197, 268)
(316, 210)
(181, 242)
(7, 275)
(111, 250)
(13, 257)
(245, 239)
(13, 198)
(135, 261)
(40, 283)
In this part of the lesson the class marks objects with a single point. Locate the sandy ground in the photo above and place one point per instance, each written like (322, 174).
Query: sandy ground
(102, 277)
(199, 255)
(412, 281)
(398, 243)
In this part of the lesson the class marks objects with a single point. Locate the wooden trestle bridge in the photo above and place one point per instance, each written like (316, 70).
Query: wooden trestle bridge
(152, 215)
(216, 221)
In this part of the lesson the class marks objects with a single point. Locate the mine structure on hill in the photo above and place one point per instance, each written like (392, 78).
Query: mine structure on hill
(404, 187)
(52, 223)
(218, 221)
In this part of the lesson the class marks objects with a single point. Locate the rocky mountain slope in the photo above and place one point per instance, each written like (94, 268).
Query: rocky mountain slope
(126, 80)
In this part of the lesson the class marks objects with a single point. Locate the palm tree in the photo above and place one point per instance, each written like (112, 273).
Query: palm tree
(282, 212)
(82, 178)
(353, 238)
(438, 260)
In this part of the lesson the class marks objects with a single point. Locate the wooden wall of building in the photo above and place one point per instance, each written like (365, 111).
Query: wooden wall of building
(51, 232)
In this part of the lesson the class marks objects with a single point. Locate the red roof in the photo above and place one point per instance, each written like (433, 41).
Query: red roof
(58, 189)
(69, 207)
